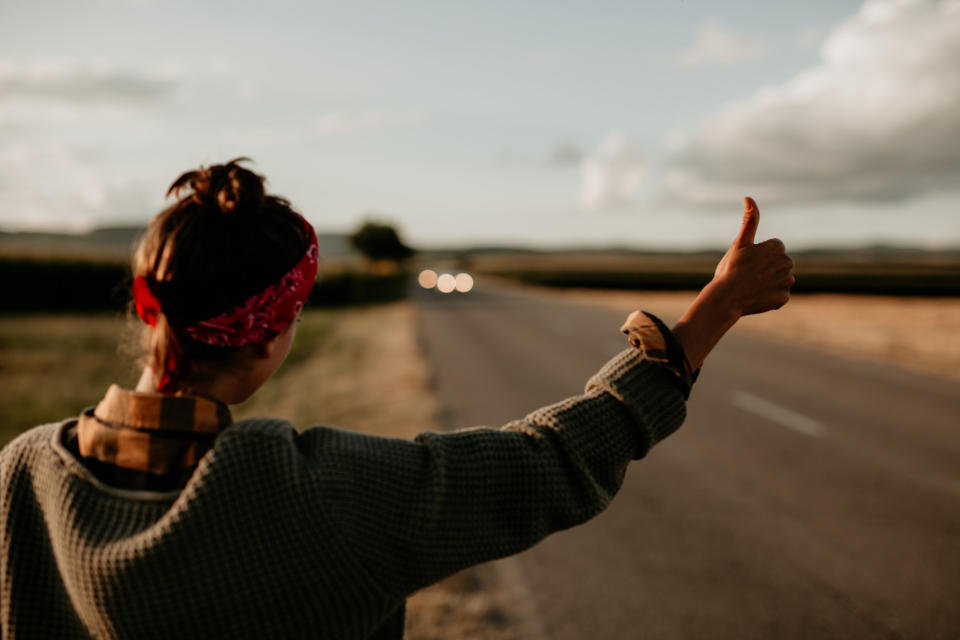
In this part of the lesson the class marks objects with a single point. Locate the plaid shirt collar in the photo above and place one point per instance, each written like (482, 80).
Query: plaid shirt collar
(139, 440)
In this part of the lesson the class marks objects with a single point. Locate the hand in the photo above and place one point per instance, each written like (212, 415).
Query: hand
(753, 278)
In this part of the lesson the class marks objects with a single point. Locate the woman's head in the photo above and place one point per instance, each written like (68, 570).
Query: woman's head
(225, 267)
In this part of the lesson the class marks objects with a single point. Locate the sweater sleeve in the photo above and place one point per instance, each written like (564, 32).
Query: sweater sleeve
(414, 512)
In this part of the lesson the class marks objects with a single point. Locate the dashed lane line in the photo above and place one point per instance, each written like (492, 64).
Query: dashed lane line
(775, 413)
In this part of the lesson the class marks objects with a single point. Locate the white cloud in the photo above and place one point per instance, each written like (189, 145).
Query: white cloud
(49, 99)
(339, 122)
(51, 186)
(565, 154)
(612, 175)
(877, 119)
(42, 117)
(716, 44)
(324, 125)
(51, 111)
(807, 38)
(65, 81)
(129, 3)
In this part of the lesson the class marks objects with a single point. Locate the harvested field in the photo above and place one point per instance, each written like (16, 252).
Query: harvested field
(916, 333)
(876, 271)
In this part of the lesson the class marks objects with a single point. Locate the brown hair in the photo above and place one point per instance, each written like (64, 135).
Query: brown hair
(224, 240)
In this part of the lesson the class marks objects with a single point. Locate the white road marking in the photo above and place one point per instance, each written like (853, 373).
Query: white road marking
(781, 415)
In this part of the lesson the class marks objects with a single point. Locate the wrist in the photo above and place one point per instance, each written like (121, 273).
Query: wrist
(708, 318)
(718, 302)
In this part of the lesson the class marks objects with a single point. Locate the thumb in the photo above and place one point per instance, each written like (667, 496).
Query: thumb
(751, 220)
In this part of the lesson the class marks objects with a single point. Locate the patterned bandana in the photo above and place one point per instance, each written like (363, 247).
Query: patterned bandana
(266, 314)
(258, 318)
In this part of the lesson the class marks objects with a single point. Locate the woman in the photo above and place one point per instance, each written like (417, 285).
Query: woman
(155, 515)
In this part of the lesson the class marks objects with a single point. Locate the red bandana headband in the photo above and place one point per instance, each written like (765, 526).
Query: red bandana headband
(258, 318)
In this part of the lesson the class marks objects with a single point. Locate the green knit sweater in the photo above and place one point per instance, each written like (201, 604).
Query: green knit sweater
(320, 534)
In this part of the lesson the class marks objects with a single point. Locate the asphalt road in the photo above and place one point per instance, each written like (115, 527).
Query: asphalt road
(806, 496)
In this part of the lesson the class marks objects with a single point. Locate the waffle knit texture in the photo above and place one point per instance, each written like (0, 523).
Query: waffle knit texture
(319, 534)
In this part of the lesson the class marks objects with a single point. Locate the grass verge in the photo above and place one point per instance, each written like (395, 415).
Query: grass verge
(53, 366)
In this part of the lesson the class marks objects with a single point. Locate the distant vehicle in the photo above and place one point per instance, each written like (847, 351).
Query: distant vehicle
(445, 282)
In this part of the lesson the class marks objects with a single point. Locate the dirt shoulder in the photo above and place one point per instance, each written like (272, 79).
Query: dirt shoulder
(915, 333)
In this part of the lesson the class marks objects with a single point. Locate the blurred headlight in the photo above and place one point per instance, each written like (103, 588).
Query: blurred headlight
(464, 282)
(427, 278)
(446, 283)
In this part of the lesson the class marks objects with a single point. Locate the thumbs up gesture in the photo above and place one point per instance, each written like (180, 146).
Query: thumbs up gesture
(754, 277)
(751, 278)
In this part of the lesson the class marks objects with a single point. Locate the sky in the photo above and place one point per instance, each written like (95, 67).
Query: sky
(546, 124)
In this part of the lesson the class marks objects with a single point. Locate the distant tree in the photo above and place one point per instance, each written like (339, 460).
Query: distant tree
(379, 241)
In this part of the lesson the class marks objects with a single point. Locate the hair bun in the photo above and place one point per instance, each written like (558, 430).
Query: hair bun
(229, 188)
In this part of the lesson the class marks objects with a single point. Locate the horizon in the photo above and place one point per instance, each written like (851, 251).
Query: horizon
(509, 245)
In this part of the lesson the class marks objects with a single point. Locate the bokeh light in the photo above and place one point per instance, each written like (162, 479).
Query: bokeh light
(464, 282)
(446, 283)
(427, 278)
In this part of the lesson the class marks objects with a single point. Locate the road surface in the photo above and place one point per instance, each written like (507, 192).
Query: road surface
(806, 496)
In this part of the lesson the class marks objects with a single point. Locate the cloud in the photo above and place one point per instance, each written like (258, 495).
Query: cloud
(59, 121)
(338, 122)
(876, 119)
(807, 38)
(716, 44)
(611, 176)
(54, 187)
(128, 3)
(48, 98)
(60, 81)
(565, 154)
(328, 124)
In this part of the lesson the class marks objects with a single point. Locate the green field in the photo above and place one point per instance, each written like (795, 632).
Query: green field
(55, 283)
(52, 366)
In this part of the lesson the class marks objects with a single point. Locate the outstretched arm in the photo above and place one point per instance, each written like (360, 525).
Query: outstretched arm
(410, 513)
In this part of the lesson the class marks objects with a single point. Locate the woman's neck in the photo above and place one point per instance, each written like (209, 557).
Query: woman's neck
(148, 381)
(221, 389)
